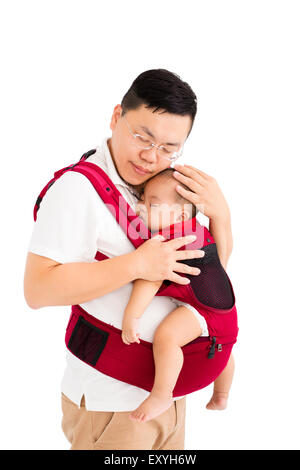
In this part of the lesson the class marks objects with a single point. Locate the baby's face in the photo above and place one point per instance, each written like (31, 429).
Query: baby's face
(158, 207)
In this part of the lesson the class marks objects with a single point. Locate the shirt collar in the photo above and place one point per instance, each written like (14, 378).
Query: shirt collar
(111, 168)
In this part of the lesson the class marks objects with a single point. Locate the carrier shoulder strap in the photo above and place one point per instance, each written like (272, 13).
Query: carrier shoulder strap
(57, 174)
(131, 224)
(134, 228)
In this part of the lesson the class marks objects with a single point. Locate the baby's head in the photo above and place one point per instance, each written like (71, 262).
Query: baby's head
(161, 205)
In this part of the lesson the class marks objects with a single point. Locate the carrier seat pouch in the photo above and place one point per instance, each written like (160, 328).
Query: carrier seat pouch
(134, 364)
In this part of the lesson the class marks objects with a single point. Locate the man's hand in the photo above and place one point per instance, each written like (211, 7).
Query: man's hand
(204, 192)
(207, 196)
(156, 260)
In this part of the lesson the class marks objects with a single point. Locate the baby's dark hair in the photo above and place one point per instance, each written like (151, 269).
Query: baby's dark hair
(181, 200)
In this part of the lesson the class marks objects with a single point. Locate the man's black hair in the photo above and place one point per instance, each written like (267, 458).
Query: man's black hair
(160, 89)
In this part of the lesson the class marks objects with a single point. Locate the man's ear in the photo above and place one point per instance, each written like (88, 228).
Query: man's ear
(115, 116)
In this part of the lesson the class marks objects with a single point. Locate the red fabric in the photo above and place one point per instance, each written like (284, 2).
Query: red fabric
(134, 364)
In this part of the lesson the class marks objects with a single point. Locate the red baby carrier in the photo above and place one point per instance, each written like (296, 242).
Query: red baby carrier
(99, 344)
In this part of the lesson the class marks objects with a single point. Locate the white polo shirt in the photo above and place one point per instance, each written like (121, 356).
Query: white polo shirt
(72, 224)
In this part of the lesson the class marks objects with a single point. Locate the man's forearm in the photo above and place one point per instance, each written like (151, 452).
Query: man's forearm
(75, 283)
(221, 231)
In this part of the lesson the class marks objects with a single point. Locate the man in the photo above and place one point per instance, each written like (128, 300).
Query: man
(149, 130)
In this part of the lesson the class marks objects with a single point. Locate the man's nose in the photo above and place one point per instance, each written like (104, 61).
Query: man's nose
(149, 155)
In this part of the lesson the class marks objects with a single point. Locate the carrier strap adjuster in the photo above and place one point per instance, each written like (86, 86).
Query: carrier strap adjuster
(38, 201)
(212, 349)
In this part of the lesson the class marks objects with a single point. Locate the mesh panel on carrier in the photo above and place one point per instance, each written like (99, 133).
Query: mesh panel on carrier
(211, 286)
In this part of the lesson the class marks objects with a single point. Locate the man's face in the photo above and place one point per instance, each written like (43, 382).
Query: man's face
(136, 165)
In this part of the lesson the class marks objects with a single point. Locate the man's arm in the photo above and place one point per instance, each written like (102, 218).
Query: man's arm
(48, 283)
(206, 194)
(61, 269)
(221, 231)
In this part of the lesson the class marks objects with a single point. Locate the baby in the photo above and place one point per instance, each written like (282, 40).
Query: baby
(161, 206)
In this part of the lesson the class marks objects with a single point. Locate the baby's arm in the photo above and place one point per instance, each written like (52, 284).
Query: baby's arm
(142, 293)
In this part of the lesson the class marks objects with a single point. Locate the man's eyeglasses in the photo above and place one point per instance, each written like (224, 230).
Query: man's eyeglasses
(163, 151)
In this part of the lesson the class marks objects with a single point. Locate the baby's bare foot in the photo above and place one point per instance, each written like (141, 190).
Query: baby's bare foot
(218, 401)
(153, 406)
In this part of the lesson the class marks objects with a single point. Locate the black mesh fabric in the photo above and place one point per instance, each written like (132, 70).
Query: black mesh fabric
(87, 341)
(211, 286)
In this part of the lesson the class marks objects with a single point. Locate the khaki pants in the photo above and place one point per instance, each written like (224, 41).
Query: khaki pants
(102, 430)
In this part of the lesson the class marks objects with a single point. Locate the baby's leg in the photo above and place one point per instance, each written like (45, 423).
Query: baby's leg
(221, 387)
(177, 329)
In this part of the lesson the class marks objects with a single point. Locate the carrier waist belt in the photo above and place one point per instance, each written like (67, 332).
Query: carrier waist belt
(100, 345)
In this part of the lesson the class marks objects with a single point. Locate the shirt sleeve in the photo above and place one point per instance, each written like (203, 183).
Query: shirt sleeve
(68, 221)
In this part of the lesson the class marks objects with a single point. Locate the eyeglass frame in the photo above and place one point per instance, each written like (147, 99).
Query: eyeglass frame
(152, 144)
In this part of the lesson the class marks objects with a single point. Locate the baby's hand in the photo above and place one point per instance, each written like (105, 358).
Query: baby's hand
(129, 330)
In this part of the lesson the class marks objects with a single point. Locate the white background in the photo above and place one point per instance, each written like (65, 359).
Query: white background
(65, 65)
